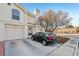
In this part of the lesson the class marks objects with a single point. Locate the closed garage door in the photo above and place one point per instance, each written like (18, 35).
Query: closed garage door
(14, 32)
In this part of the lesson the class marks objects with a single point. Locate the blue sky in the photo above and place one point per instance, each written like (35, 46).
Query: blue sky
(72, 9)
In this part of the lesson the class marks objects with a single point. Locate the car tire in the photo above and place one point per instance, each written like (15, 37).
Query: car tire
(44, 42)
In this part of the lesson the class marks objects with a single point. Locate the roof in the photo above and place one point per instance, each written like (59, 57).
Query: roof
(24, 10)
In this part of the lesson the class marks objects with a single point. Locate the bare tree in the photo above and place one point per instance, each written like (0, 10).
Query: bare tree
(52, 20)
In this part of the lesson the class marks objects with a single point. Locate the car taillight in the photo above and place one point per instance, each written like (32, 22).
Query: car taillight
(50, 38)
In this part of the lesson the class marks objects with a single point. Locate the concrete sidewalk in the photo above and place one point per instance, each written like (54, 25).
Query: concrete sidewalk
(67, 49)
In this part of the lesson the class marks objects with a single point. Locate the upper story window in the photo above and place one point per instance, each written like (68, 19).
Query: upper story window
(15, 14)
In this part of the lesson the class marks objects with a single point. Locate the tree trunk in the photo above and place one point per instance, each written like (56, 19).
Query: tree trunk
(46, 29)
(54, 28)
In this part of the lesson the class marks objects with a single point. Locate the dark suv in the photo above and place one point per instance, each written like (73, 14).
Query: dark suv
(44, 37)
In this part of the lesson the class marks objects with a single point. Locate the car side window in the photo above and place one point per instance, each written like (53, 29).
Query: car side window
(37, 34)
(42, 34)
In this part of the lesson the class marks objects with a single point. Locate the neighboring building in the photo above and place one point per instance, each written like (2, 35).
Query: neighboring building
(38, 27)
(31, 24)
(67, 30)
(16, 22)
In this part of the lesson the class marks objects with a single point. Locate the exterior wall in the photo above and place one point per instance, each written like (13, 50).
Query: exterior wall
(6, 19)
(26, 28)
(26, 31)
(31, 23)
(6, 13)
(27, 20)
(1, 31)
(31, 19)
(37, 14)
(66, 31)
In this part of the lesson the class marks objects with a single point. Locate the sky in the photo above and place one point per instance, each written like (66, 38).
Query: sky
(71, 8)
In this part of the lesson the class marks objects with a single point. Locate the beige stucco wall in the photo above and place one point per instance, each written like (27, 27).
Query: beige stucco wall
(68, 30)
(26, 28)
(6, 18)
(2, 35)
(30, 19)
(6, 13)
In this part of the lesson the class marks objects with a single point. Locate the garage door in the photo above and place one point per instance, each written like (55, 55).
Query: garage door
(14, 32)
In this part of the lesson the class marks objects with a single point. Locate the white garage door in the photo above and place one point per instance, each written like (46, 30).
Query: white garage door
(14, 32)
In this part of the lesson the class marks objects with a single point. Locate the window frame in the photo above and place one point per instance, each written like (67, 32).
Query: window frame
(30, 31)
(15, 14)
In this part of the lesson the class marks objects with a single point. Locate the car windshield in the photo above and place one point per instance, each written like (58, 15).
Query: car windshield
(50, 33)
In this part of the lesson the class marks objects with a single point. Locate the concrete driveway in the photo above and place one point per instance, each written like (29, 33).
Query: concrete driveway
(27, 48)
(70, 48)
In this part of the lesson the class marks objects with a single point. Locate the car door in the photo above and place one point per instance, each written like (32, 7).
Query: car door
(36, 36)
(41, 36)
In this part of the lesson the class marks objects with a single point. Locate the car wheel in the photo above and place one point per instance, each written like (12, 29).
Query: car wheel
(44, 42)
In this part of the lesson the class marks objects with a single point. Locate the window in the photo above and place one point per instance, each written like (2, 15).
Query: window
(15, 14)
(37, 33)
(42, 34)
(30, 32)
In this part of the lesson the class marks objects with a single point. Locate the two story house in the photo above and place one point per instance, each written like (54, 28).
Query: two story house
(15, 22)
